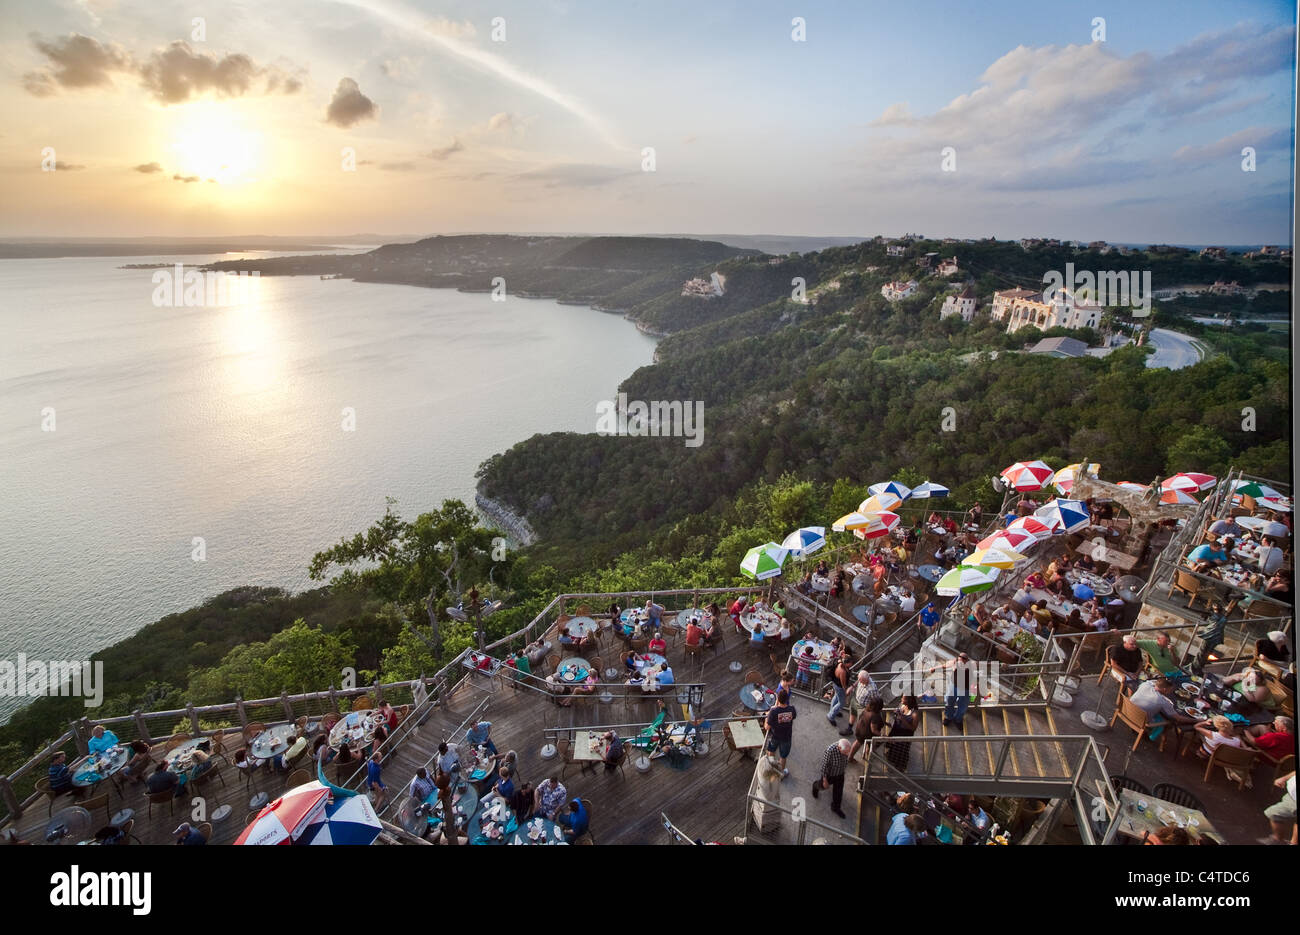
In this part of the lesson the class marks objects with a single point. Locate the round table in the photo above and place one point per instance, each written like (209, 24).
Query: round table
(476, 763)
(769, 621)
(545, 831)
(691, 613)
(464, 804)
(355, 728)
(931, 573)
(581, 627)
(820, 583)
(272, 742)
(123, 816)
(574, 666)
(105, 765)
(179, 758)
(480, 824)
(1255, 523)
(863, 613)
(748, 700)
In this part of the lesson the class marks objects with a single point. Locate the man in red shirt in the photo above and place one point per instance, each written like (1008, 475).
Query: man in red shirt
(1275, 740)
(694, 635)
(737, 609)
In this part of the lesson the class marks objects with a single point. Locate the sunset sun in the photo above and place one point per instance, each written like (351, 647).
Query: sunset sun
(211, 143)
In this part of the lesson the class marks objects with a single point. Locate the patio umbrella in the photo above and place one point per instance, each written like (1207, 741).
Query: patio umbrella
(1082, 592)
(763, 561)
(1033, 526)
(967, 579)
(1277, 504)
(1273, 529)
(1129, 485)
(848, 521)
(346, 820)
(880, 525)
(1187, 482)
(1252, 488)
(1007, 541)
(1064, 478)
(804, 541)
(288, 817)
(880, 502)
(1177, 496)
(901, 491)
(927, 490)
(1028, 475)
(1065, 515)
(994, 558)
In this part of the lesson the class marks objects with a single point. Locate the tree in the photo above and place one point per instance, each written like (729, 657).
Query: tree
(1198, 449)
(423, 563)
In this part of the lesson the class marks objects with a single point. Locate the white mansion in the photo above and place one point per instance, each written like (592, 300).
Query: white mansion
(963, 304)
(1024, 308)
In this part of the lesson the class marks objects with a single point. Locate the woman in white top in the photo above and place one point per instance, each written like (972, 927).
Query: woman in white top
(1215, 732)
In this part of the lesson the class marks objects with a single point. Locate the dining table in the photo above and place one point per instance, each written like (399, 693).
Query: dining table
(273, 741)
(766, 620)
(356, 728)
(537, 831)
(573, 670)
(493, 823)
(581, 627)
(931, 573)
(746, 734)
(97, 767)
(181, 757)
(823, 652)
(1099, 585)
(757, 697)
(821, 583)
(1141, 813)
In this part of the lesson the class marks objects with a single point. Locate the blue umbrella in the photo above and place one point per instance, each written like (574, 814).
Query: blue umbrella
(805, 541)
(900, 491)
(928, 489)
(1082, 592)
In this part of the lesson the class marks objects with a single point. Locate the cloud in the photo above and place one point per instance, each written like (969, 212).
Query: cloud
(178, 72)
(148, 168)
(186, 178)
(61, 166)
(1261, 138)
(349, 106)
(576, 175)
(501, 122)
(75, 62)
(172, 74)
(401, 68)
(398, 166)
(441, 26)
(455, 146)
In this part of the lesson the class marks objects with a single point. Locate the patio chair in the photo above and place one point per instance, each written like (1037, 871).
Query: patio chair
(621, 762)
(297, 778)
(252, 730)
(328, 721)
(205, 829)
(1187, 583)
(696, 651)
(174, 741)
(1281, 767)
(159, 798)
(1178, 795)
(97, 801)
(1233, 759)
(646, 738)
(1136, 718)
(564, 749)
(362, 703)
(212, 772)
(128, 832)
(553, 662)
(754, 676)
(670, 632)
(43, 785)
(1124, 782)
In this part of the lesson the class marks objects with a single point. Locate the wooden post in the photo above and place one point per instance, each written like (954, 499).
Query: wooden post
(288, 708)
(10, 799)
(334, 699)
(196, 731)
(379, 692)
(240, 712)
(80, 731)
(141, 726)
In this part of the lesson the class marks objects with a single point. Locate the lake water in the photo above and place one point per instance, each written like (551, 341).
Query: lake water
(227, 423)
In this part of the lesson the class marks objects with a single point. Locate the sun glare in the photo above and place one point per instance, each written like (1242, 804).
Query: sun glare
(211, 143)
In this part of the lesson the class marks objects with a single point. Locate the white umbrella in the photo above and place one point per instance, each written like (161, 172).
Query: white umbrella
(804, 541)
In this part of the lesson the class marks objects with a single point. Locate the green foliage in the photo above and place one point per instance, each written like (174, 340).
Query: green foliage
(298, 659)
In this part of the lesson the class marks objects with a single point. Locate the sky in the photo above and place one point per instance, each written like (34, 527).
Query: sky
(1115, 121)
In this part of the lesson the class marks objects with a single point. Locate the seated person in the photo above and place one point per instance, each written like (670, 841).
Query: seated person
(665, 676)
(565, 639)
(522, 802)
(1226, 527)
(613, 750)
(1126, 659)
(1217, 731)
(756, 637)
(823, 569)
(1035, 582)
(658, 644)
(1155, 697)
(588, 686)
(786, 632)
(1027, 621)
(480, 734)
(139, 763)
(1275, 740)
(60, 774)
(1161, 656)
(694, 634)
(421, 785)
(1252, 685)
(632, 664)
(504, 786)
(163, 780)
(550, 797)
(1085, 563)
(1270, 557)
(296, 748)
(1279, 588)
(907, 604)
(1042, 615)
(1097, 620)
(1208, 556)
(573, 820)
(1274, 647)
(1074, 620)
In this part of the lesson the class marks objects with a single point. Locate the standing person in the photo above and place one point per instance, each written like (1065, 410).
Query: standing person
(834, 761)
(448, 758)
(864, 690)
(60, 774)
(375, 781)
(870, 723)
(840, 686)
(929, 617)
(904, 725)
(956, 691)
(780, 728)
(1281, 814)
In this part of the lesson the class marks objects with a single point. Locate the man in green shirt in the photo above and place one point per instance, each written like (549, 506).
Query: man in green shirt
(1162, 660)
(522, 665)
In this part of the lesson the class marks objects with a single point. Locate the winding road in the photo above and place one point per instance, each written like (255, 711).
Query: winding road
(1174, 350)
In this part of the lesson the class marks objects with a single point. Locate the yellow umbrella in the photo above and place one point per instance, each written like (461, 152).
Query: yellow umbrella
(995, 558)
(880, 503)
(1064, 478)
(851, 521)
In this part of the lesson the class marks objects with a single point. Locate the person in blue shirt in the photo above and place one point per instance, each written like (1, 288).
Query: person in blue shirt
(479, 735)
(574, 822)
(374, 780)
(899, 830)
(505, 787)
(666, 676)
(189, 835)
(929, 617)
(101, 740)
(1206, 556)
(60, 774)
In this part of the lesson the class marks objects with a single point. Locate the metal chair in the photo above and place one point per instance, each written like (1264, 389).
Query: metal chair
(1124, 782)
(1176, 794)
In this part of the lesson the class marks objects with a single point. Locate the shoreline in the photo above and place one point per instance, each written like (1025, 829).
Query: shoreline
(519, 530)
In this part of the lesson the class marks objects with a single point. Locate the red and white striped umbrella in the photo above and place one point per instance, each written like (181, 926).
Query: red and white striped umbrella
(1028, 475)
(1008, 539)
(1177, 496)
(1033, 526)
(880, 525)
(1188, 482)
(284, 820)
(1129, 485)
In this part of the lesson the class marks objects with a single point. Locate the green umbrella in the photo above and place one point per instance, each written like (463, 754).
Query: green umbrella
(967, 579)
(763, 561)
